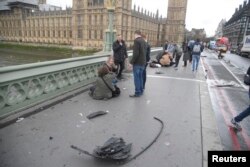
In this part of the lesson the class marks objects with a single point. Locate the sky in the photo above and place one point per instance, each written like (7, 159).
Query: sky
(200, 13)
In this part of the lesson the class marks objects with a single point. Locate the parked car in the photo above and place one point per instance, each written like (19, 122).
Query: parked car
(245, 49)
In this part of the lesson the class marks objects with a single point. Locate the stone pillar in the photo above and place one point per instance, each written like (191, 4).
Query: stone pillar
(110, 32)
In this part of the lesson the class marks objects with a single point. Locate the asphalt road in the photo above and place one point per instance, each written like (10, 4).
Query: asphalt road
(229, 96)
(179, 98)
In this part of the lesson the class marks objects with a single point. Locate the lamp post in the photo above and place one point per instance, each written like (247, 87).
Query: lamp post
(110, 32)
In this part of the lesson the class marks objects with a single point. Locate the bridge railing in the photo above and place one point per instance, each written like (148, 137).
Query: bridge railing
(23, 86)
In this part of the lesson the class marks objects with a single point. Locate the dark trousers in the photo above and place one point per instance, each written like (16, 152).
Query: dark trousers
(120, 68)
(144, 75)
(185, 63)
(177, 59)
(243, 115)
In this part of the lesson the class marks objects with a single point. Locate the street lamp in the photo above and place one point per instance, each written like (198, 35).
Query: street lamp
(110, 33)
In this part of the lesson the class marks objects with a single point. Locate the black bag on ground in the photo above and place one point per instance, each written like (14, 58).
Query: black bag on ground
(116, 92)
(91, 90)
(247, 79)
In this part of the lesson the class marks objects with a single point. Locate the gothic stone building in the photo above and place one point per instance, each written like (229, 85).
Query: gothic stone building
(84, 25)
(238, 25)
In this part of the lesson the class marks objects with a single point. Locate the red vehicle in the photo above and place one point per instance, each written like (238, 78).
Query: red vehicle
(222, 44)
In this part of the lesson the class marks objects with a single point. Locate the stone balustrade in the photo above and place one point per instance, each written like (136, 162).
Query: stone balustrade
(23, 86)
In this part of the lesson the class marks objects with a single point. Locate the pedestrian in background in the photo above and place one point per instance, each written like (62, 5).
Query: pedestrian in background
(196, 53)
(235, 121)
(165, 46)
(138, 61)
(177, 54)
(186, 53)
(148, 49)
(120, 55)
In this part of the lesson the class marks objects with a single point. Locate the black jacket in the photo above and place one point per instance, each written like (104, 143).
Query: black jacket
(148, 52)
(120, 51)
(139, 52)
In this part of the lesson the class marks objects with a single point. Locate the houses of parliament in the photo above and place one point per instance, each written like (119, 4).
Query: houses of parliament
(84, 24)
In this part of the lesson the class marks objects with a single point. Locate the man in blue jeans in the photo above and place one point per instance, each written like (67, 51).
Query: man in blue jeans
(196, 54)
(138, 61)
(244, 113)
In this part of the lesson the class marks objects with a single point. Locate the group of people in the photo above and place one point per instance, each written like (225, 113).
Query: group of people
(172, 53)
(105, 86)
(109, 74)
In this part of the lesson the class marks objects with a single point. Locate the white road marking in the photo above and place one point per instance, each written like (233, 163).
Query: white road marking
(167, 77)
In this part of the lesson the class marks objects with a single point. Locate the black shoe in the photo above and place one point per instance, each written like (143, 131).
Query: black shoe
(134, 95)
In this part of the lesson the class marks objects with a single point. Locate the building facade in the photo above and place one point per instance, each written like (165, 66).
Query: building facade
(84, 25)
(238, 25)
(219, 30)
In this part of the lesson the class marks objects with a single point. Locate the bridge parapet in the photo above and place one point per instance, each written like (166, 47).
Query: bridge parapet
(26, 85)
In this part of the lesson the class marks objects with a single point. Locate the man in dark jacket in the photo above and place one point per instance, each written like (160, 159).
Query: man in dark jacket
(147, 60)
(120, 54)
(138, 61)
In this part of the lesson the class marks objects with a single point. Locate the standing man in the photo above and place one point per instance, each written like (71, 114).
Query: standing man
(196, 54)
(165, 47)
(177, 54)
(138, 62)
(235, 121)
(147, 60)
(120, 55)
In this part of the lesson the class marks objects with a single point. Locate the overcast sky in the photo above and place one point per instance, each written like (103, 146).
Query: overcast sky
(200, 13)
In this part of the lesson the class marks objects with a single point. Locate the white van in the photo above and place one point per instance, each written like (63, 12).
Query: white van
(245, 50)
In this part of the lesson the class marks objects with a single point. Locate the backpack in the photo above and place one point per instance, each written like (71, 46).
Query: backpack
(197, 48)
(179, 51)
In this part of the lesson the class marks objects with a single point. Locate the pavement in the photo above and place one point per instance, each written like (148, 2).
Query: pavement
(179, 98)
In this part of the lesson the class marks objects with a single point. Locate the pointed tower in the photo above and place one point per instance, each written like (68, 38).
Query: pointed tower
(175, 25)
(42, 2)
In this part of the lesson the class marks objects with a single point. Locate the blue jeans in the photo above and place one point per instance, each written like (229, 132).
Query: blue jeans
(138, 79)
(244, 113)
(195, 62)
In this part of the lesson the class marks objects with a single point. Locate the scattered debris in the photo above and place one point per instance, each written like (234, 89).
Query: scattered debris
(83, 122)
(159, 72)
(167, 144)
(19, 119)
(223, 83)
(50, 138)
(113, 149)
(124, 88)
(96, 114)
(78, 126)
(81, 114)
(116, 149)
(149, 101)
